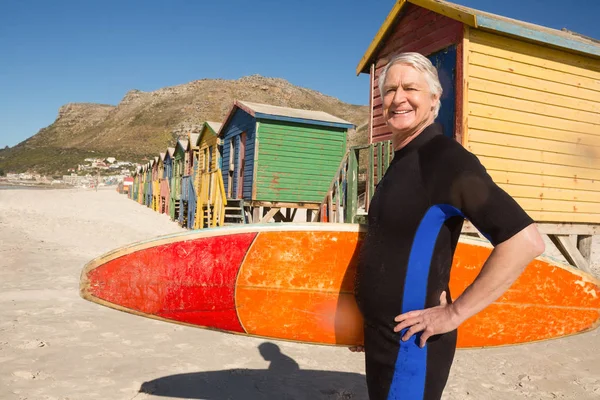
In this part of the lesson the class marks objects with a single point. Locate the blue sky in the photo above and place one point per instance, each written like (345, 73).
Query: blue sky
(63, 51)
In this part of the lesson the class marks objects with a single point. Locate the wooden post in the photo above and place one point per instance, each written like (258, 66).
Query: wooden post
(270, 214)
(570, 251)
(370, 179)
(352, 188)
(584, 244)
(379, 162)
(309, 215)
(255, 214)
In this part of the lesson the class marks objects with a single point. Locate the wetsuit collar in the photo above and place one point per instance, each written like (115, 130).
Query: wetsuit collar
(428, 133)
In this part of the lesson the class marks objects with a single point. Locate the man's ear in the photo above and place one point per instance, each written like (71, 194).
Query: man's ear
(436, 100)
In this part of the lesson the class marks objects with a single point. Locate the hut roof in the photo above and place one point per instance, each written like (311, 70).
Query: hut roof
(162, 156)
(214, 126)
(194, 139)
(171, 151)
(267, 111)
(183, 143)
(564, 39)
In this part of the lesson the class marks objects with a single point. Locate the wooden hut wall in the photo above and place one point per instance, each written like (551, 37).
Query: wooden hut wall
(208, 145)
(534, 122)
(420, 30)
(178, 170)
(296, 162)
(241, 122)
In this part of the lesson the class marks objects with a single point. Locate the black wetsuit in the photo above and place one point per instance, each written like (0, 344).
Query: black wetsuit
(415, 220)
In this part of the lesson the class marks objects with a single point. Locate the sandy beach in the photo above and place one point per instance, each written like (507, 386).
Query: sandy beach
(55, 345)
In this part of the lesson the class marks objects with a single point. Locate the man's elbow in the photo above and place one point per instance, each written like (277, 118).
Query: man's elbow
(535, 241)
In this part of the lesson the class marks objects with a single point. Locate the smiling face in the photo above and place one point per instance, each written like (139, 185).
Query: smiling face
(408, 104)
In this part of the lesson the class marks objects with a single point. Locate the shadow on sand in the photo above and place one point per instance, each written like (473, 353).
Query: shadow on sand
(282, 380)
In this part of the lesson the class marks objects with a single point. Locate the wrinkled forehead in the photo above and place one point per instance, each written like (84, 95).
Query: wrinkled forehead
(403, 74)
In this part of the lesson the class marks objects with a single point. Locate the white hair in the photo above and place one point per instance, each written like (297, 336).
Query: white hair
(421, 64)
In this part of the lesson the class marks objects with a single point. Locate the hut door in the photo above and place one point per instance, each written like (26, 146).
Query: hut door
(231, 168)
(445, 62)
(242, 158)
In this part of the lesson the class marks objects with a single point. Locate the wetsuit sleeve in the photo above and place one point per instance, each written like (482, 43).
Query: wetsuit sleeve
(493, 212)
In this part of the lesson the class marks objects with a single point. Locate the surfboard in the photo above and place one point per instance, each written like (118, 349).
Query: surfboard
(295, 282)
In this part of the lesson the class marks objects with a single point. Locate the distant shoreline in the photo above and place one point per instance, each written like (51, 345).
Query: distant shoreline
(40, 186)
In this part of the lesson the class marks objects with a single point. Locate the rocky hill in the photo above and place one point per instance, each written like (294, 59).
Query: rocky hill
(145, 123)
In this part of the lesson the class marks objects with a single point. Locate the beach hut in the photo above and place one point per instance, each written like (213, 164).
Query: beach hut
(278, 158)
(155, 183)
(127, 185)
(187, 207)
(524, 98)
(142, 190)
(178, 171)
(208, 180)
(136, 185)
(165, 184)
(148, 184)
(160, 172)
(209, 157)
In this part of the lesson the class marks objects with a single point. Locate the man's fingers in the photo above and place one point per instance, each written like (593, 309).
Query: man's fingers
(413, 329)
(427, 333)
(406, 323)
(410, 314)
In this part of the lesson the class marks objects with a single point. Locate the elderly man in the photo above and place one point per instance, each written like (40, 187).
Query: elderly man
(415, 220)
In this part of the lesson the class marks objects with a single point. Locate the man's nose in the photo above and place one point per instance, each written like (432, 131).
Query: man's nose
(399, 96)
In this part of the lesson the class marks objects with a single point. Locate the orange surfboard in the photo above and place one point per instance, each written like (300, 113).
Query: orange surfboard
(295, 282)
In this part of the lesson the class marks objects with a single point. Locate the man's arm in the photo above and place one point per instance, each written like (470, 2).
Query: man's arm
(504, 265)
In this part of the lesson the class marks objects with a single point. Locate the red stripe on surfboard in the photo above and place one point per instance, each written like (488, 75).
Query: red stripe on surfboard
(189, 281)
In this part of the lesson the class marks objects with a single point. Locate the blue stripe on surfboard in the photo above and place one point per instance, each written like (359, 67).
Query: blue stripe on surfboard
(411, 363)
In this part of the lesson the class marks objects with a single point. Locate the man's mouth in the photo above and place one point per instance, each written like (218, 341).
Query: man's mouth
(401, 112)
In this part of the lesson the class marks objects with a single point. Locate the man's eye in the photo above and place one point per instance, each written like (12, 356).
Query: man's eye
(390, 90)
(410, 89)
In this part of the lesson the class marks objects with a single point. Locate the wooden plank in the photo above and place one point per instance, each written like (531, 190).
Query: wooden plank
(352, 188)
(538, 84)
(386, 156)
(460, 101)
(517, 116)
(449, 10)
(584, 244)
(434, 37)
(537, 192)
(531, 94)
(338, 210)
(371, 100)
(330, 211)
(551, 228)
(371, 176)
(534, 71)
(548, 145)
(283, 204)
(580, 120)
(269, 215)
(538, 204)
(518, 50)
(283, 169)
(555, 216)
(502, 164)
(570, 252)
(542, 181)
(480, 123)
(547, 37)
(589, 161)
(379, 162)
